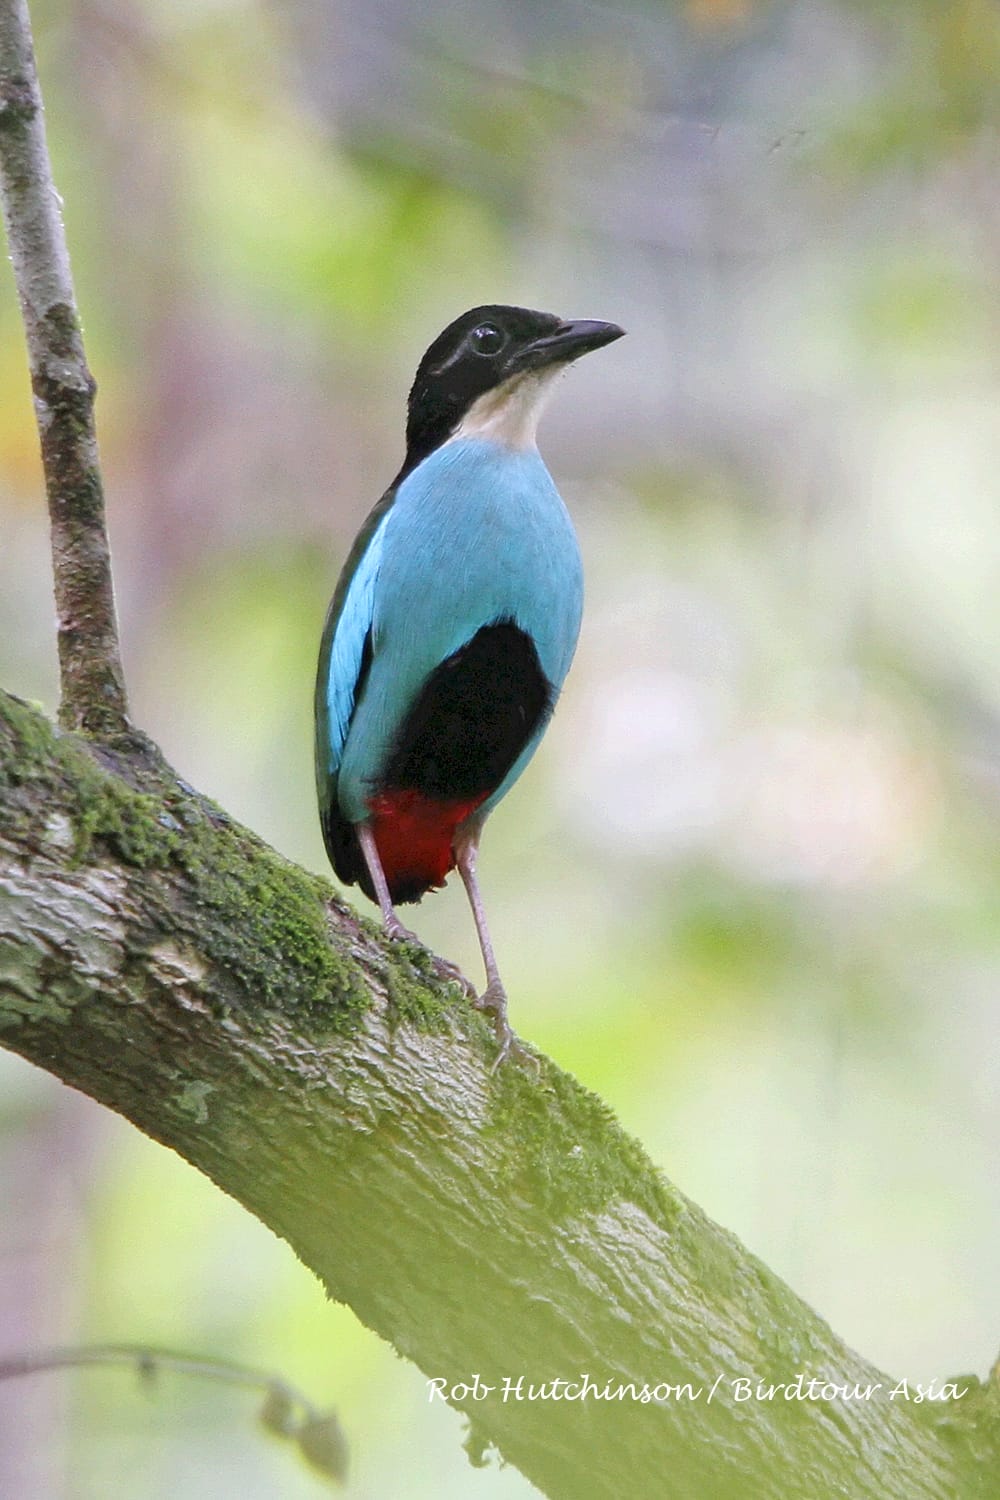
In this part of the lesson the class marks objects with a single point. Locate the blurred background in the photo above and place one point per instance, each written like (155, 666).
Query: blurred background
(749, 890)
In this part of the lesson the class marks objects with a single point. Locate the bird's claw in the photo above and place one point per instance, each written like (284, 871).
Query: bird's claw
(452, 974)
(395, 930)
(448, 972)
(511, 1047)
(493, 1001)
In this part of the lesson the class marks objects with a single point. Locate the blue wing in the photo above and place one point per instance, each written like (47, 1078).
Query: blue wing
(343, 660)
(347, 649)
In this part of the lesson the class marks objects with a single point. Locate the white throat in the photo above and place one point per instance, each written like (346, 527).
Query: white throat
(509, 414)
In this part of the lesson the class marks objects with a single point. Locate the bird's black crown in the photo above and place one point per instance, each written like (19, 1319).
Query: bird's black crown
(477, 352)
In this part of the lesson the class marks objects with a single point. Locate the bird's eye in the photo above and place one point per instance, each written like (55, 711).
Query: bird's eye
(487, 339)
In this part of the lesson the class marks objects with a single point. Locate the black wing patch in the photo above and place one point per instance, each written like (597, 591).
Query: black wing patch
(472, 718)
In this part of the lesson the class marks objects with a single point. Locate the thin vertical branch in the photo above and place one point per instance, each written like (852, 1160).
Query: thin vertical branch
(93, 695)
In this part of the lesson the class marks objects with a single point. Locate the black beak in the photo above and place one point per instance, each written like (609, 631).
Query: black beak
(569, 341)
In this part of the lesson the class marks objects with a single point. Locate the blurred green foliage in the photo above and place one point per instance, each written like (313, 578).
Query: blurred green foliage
(749, 889)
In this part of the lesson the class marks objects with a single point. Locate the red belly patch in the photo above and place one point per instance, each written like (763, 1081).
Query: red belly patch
(414, 835)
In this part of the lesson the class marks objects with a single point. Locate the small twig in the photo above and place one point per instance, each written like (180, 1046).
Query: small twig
(93, 684)
(286, 1412)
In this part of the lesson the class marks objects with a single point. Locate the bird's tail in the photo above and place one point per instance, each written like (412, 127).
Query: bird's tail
(343, 849)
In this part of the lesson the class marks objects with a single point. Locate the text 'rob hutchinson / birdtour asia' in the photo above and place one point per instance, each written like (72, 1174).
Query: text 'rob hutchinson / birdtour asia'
(736, 1388)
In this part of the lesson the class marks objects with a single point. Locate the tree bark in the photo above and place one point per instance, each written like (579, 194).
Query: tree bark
(166, 962)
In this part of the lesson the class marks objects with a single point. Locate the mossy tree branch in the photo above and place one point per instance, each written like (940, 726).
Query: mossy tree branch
(93, 685)
(169, 964)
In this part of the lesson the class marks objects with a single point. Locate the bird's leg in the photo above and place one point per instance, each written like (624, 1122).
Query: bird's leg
(494, 997)
(393, 926)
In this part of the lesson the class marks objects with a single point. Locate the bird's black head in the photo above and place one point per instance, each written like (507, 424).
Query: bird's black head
(489, 349)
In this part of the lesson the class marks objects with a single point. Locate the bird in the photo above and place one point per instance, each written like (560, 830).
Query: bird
(453, 624)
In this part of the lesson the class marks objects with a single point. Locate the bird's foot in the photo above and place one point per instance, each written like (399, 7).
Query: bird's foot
(493, 1001)
(448, 972)
(394, 929)
(452, 974)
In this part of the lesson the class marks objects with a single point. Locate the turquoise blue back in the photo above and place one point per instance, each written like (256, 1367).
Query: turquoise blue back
(475, 534)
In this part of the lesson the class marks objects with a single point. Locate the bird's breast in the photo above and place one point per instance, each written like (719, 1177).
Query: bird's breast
(479, 533)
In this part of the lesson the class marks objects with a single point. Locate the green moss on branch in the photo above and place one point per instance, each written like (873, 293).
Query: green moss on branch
(265, 921)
